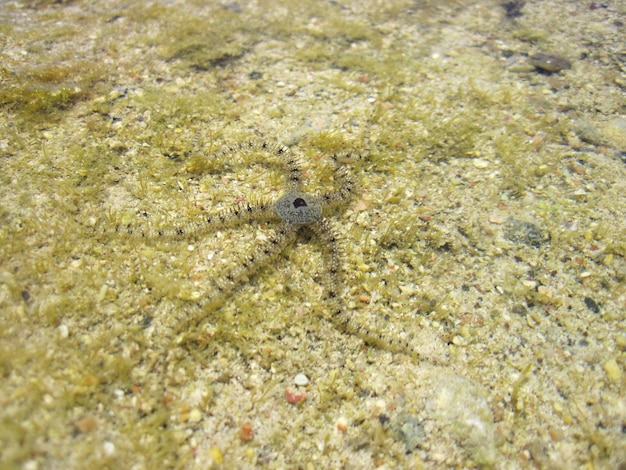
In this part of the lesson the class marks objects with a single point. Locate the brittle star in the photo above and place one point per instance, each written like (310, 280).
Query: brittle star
(295, 211)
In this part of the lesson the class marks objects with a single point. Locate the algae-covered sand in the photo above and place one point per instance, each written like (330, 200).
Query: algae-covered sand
(487, 232)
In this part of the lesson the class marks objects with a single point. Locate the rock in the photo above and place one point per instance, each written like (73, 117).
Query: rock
(549, 63)
(461, 411)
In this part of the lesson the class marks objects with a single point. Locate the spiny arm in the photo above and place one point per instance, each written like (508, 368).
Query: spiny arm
(375, 331)
(343, 180)
(291, 163)
(242, 213)
(224, 285)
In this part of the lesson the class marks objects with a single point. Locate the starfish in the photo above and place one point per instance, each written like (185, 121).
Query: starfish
(294, 212)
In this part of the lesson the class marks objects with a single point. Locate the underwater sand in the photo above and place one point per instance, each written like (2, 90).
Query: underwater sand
(487, 232)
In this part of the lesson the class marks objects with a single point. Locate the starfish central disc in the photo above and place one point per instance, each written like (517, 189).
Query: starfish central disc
(296, 207)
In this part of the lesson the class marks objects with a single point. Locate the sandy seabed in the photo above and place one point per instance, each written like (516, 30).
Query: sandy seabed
(482, 254)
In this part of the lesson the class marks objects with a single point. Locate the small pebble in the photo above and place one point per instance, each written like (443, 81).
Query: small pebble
(549, 63)
(544, 292)
(301, 380)
(496, 219)
(216, 455)
(109, 448)
(361, 205)
(556, 434)
(342, 424)
(195, 416)
(381, 405)
(295, 397)
(591, 304)
(86, 424)
(246, 432)
(613, 370)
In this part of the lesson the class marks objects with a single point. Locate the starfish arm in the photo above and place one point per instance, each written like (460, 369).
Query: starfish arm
(293, 174)
(290, 163)
(375, 331)
(225, 284)
(240, 214)
(343, 180)
(329, 238)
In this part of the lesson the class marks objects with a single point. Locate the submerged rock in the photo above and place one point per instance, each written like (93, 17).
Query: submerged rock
(461, 411)
(549, 63)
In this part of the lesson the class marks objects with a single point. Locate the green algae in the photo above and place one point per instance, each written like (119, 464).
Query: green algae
(45, 92)
(203, 43)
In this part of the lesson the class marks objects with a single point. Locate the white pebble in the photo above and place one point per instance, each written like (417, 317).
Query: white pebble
(301, 380)
(108, 447)
(31, 465)
(195, 416)
(63, 331)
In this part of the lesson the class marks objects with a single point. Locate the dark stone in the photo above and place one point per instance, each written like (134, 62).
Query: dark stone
(592, 305)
